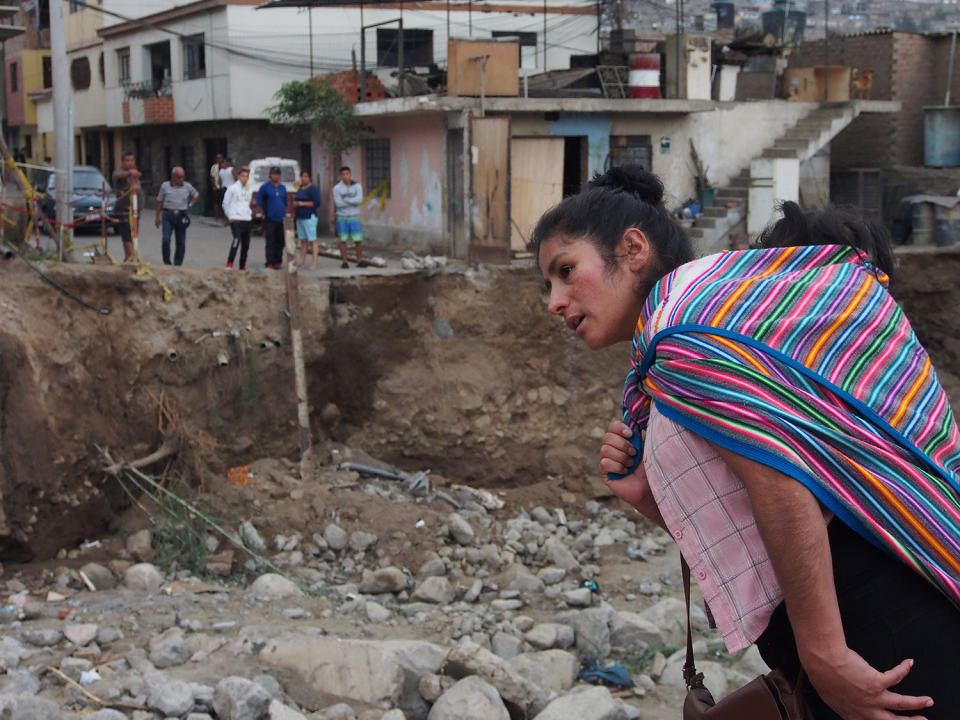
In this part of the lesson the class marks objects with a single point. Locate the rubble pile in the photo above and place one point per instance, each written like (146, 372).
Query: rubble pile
(497, 618)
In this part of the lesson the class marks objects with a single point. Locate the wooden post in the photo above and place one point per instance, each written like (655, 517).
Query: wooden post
(296, 333)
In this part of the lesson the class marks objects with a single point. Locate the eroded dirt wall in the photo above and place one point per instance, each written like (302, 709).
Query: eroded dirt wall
(464, 374)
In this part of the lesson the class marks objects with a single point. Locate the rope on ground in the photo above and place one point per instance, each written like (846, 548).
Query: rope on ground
(58, 286)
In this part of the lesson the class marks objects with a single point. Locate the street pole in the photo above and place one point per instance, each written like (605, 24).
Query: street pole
(63, 130)
(310, 23)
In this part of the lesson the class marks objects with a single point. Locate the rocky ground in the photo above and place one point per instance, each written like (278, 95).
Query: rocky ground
(467, 606)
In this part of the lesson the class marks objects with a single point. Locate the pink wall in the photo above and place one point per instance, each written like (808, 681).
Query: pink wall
(413, 214)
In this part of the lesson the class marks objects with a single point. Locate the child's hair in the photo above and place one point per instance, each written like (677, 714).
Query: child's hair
(831, 226)
(622, 198)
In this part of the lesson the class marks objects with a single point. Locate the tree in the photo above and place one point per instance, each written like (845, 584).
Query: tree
(314, 105)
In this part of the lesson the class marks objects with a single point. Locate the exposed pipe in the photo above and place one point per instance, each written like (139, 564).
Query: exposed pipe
(953, 52)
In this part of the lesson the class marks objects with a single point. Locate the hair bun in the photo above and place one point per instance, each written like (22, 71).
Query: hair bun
(632, 179)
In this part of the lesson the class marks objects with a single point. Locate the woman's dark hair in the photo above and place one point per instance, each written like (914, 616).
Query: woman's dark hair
(830, 226)
(622, 198)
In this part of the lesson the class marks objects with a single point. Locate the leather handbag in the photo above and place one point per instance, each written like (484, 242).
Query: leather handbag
(767, 697)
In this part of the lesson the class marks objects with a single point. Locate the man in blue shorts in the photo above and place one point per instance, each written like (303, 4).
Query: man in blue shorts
(306, 203)
(347, 198)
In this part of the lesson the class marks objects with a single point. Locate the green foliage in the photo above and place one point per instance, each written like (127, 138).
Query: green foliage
(315, 105)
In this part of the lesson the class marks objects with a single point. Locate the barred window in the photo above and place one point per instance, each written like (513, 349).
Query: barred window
(123, 65)
(377, 164)
(194, 59)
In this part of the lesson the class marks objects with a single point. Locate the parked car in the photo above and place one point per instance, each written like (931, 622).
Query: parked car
(260, 173)
(92, 195)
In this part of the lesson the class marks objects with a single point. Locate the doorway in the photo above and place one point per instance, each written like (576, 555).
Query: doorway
(574, 164)
(211, 146)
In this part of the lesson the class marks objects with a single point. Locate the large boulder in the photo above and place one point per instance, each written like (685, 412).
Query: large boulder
(237, 698)
(468, 658)
(470, 699)
(382, 674)
(553, 670)
(590, 704)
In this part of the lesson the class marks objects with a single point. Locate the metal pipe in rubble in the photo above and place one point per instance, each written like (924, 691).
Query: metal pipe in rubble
(63, 125)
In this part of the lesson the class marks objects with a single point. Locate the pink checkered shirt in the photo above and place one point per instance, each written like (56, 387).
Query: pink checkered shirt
(708, 512)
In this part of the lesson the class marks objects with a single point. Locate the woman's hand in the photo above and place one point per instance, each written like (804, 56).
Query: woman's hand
(617, 453)
(856, 691)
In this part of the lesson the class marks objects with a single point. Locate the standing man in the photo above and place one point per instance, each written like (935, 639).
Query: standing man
(347, 198)
(236, 207)
(272, 197)
(214, 177)
(174, 200)
(126, 182)
(307, 203)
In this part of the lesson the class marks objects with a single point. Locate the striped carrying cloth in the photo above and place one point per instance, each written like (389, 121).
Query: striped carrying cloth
(799, 358)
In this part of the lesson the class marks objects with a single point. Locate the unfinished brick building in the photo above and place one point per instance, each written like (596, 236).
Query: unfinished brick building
(909, 67)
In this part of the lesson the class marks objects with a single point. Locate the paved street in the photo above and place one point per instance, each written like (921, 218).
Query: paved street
(208, 243)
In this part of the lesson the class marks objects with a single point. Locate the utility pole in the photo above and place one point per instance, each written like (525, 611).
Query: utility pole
(63, 126)
(310, 24)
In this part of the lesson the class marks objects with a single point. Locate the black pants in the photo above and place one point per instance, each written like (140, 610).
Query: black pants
(241, 238)
(273, 233)
(889, 614)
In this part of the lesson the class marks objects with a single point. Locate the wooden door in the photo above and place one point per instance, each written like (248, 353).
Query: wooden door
(536, 184)
(490, 191)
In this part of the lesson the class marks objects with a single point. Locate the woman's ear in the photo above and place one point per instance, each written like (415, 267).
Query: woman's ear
(636, 248)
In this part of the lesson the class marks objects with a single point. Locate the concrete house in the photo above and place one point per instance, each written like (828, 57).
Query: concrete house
(186, 82)
(470, 179)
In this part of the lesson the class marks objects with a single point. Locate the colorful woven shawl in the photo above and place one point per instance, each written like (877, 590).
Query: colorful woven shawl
(800, 359)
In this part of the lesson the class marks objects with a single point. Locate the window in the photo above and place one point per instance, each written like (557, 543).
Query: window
(14, 78)
(80, 73)
(123, 65)
(528, 45)
(630, 150)
(47, 64)
(417, 47)
(377, 164)
(158, 62)
(194, 60)
(77, 5)
(43, 16)
(100, 68)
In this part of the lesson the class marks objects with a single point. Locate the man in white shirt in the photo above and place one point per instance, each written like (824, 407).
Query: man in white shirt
(227, 179)
(236, 208)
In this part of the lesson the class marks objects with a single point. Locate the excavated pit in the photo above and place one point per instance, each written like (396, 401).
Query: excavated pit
(462, 373)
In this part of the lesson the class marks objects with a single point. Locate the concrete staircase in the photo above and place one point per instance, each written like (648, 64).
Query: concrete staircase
(771, 177)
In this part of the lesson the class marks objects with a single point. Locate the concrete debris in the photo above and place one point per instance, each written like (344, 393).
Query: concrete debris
(516, 606)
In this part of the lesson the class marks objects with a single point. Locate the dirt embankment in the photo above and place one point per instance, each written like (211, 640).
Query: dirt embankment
(464, 374)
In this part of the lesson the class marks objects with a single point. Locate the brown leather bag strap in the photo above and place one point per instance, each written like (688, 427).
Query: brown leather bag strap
(690, 675)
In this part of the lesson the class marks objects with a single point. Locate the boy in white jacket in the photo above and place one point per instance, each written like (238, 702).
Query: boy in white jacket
(236, 208)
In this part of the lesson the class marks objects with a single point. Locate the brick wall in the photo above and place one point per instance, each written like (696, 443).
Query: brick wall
(908, 67)
(158, 111)
(913, 84)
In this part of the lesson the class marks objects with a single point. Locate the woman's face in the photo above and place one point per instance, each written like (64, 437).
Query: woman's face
(597, 302)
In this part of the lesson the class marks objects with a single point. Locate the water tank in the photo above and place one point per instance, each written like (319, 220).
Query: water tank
(645, 75)
(941, 136)
(726, 14)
